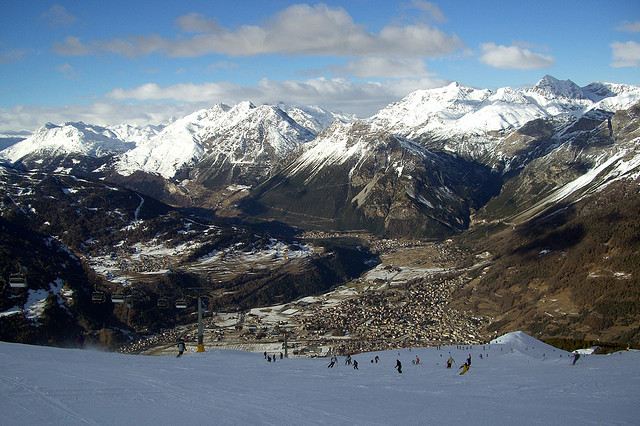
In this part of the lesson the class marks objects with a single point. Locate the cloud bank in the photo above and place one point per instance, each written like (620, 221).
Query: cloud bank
(154, 104)
(625, 54)
(297, 30)
(513, 57)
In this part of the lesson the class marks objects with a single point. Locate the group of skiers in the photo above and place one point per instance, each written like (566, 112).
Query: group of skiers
(464, 367)
(272, 358)
(350, 361)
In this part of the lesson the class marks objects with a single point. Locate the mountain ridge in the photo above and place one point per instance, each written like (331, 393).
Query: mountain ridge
(474, 114)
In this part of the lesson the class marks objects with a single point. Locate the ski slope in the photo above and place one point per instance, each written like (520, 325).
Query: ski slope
(519, 380)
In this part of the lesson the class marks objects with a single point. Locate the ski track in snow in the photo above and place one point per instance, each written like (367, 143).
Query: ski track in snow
(521, 381)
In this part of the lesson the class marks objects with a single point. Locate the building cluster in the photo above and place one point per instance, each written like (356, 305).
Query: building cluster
(415, 314)
(411, 314)
(171, 336)
(389, 315)
(143, 264)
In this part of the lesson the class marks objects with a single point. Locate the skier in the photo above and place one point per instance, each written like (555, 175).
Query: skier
(576, 357)
(333, 362)
(377, 358)
(265, 354)
(80, 341)
(281, 356)
(181, 348)
(399, 366)
(465, 368)
(469, 360)
(348, 360)
(417, 360)
(450, 361)
(355, 364)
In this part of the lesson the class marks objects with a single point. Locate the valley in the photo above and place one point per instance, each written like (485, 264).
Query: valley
(401, 302)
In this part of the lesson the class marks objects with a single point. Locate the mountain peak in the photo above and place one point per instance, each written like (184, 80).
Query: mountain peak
(559, 88)
(245, 106)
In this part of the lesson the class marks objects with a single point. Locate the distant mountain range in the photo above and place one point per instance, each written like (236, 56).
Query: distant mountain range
(469, 120)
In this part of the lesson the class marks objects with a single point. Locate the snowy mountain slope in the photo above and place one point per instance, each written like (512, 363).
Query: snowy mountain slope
(314, 117)
(6, 140)
(353, 177)
(238, 135)
(576, 160)
(68, 139)
(531, 385)
(248, 139)
(458, 111)
(243, 133)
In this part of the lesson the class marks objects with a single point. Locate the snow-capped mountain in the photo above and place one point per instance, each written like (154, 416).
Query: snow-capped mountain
(457, 110)
(77, 138)
(314, 117)
(351, 176)
(387, 175)
(240, 135)
(244, 138)
(223, 137)
(495, 131)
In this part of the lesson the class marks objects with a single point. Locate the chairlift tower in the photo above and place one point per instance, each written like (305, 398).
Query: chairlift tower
(198, 292)
(200, 334)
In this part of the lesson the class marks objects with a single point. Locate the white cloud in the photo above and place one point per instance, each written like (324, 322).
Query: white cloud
(384, 68)
(513, 57)
(14, 55)
(431, 9)
(57, 16)
(71, 46)
(363, 98)
(196, 23)
(629, 27)
(67, 70)
(625, 54)
(297, 30)
(30, 117)
(154, 104)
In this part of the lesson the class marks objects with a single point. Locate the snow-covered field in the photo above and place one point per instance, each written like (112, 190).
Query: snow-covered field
(517, 381)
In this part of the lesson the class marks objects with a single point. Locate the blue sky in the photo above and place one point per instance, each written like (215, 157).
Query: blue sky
(141, 62)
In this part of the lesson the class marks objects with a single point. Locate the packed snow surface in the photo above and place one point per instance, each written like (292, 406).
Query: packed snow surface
(518, 380)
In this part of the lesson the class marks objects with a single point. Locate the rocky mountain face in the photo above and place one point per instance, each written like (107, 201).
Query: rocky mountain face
(563, 235)
(422, 166)
(353, 177)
